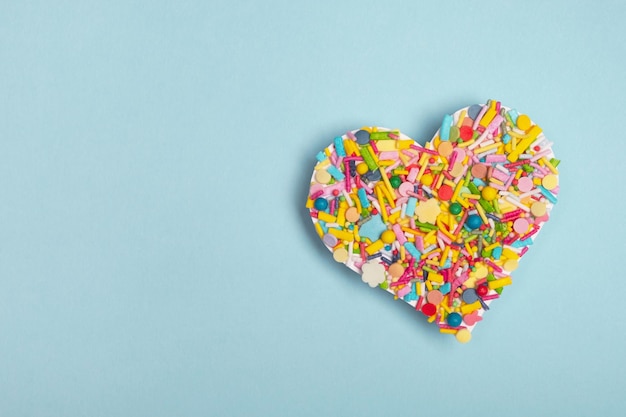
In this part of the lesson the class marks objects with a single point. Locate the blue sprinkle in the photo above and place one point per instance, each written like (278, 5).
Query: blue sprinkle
(321, 156)
(446, 124)
(412, 295)
(335, 172)
(445, 288)
(339, 146)
(478, 182)
(547, 194)
(365, 203)
(323, 225)
(496, 252)
(374, 256)
(514, 115)
(410, 247)
(410, 206)
(506, 138)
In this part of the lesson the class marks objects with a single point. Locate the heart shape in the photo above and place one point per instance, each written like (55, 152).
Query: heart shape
(440, 226)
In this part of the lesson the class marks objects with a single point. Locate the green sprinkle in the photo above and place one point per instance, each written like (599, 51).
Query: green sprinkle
(486, 205)
(379, 135)
(369, 160)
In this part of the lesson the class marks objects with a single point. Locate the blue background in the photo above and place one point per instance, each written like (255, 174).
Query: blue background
(156, 258)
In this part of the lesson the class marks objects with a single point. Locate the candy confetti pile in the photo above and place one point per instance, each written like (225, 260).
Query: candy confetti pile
(442, 226)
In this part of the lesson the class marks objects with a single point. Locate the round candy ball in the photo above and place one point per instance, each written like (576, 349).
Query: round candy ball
(388, 236)
(320, 204)
(474, 221)
(395, 181)
(455, 208)
(454, 319)
(489, 193)
(482, 290)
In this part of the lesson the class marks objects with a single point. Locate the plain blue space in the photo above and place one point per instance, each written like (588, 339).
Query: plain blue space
(156, 258)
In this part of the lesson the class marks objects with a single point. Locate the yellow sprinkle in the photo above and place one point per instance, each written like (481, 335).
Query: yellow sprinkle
(357, 201)
(468, 308)
(473, 196)
(319, 230)
(403, 144)
(388, 185)
(341, 213)
(328, 218)
(510, 254)
(463, 202)
(447, 331)
(432, 318)
(529, 138)
(462, 115)
(550, 166)
(341, 234)
(499, 283)
(356, 233)
(309, 203)
(457, 190)
(465, 144)
(492, 246)
(375, 247)
(444, 256)
(393, 218)
(444, 231)
(388, 194)
(481, 213)
(383, 209)
(429, 285)
(444, 305)
(487, 148)
(413, 231)
(402, 253)
(386, 162)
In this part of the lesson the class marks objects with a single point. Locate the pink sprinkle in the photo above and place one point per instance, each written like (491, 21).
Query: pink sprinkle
(495, 123)
(317, 194)
(499, 175)
(495, 159)
(374, 147)
(494, 266)
(491, 297)
(497, 186)
(403, 291)
(388, 155)
(393, 135)
(412, 174)
(480, 116)
(452, 161)
(420, 300)
(447, 326)
(351, 135)
(419, 242)
(397, 229)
